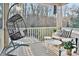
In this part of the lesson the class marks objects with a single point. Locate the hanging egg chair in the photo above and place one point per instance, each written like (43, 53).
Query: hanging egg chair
(13, 26)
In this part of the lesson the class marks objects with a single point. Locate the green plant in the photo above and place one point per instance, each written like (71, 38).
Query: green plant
(54, 30)
(68, 45)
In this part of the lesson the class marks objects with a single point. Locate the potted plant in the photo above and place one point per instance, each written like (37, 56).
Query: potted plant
(69, 46)
(54, 30)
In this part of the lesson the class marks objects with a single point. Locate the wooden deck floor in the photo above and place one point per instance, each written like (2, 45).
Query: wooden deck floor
(36, 48)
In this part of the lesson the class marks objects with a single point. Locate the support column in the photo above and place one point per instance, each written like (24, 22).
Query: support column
(6, 39)
(2, 27)
(59, 17)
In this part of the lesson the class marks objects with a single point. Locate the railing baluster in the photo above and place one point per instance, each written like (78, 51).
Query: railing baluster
(39, 32)
(28, 32)
(35, 32)
(43, 32)
(32, 32)
(46, 31)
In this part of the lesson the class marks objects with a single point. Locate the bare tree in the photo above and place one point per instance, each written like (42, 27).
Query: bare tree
(74, 21)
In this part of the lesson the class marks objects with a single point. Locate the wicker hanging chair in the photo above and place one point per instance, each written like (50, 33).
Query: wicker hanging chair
(14, 31)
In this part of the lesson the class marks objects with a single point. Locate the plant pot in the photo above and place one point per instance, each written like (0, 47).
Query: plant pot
(69, 52)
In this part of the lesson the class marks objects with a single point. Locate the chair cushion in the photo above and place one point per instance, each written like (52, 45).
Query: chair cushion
(58, 33)
(16, 36)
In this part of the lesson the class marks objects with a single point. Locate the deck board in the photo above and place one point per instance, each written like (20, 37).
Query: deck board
(36, 48)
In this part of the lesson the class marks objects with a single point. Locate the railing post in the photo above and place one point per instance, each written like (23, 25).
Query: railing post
(59, 16)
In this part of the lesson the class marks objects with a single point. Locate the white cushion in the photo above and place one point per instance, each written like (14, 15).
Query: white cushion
(54, 42)
(66, 39)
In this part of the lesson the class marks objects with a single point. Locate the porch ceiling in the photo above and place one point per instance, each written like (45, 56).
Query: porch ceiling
(51, 4)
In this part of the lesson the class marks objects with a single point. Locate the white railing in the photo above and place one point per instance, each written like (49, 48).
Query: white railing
(40, 32)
